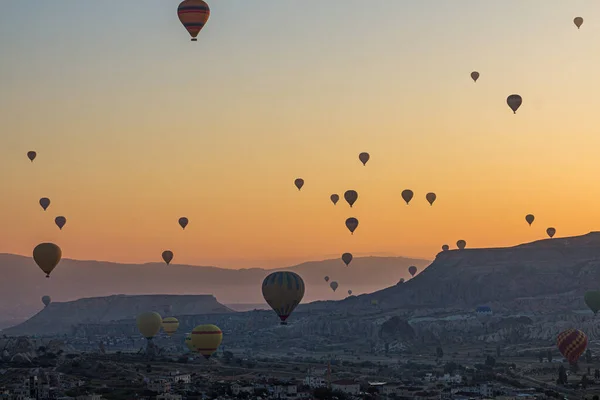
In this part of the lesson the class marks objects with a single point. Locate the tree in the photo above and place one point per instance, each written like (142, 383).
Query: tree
(439, 352)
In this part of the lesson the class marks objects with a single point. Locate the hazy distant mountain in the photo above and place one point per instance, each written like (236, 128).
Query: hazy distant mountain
(24, 283)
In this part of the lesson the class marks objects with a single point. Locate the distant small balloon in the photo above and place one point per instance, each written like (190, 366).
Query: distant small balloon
(299, 183)
(551, 232)
(401, 281)
(334, 198)
(183, 222)
(347, 258)
(167, 256)
(430, 198)
(45, 203)
(412, 270)
(364, 157)
(578, 21)
(461, 244)
(60, 221)
(514, 101)
(407, 195)
(474, 76)
(351, 196)
(333, 285)
(31, 155)
(46, 300)
(529, 218)
(349, 292)
(352, 224)
(326, 279)
(445, 247)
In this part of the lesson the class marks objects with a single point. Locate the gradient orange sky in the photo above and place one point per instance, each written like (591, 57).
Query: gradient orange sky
(135, 126)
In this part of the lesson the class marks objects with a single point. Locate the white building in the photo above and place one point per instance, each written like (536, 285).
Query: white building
(347, 386)
(447, 378)
(159, 385)
(282, 391)
(237, 389)
(315, 381)
(181, 378)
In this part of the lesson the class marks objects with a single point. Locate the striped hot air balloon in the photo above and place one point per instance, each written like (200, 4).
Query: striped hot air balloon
(206, 339)
(283, 291)
(193, 14)
(572, 344)
(170, 325)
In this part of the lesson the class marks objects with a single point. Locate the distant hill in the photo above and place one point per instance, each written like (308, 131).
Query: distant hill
(60, 316)
(25, 284)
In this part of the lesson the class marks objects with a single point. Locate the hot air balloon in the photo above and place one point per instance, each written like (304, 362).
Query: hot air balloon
(347, 258)
(430, 198)
(283, 291)
(188, 342)
(299, 183)
(592, 299)
(551, 232)
(412, 270)
(483, 313)
(31, 155)
(334, 198)
(401, 281)
(352, 224)
(364, 157)
(149, 324)
(351, 196)
(407, 195)
(206, 339)
(45, 203)
(333, 285)
(461, 244)
(193, 14)
(326, 279)
(170, 325)
(349, 292)
(529, 218)
(46, 300)
(474, 76)
(47, 256)
(578, 21)
(183, 222)
(571, 344)
(445, 247)
(167, 256)
(60, 221)
(514, 102)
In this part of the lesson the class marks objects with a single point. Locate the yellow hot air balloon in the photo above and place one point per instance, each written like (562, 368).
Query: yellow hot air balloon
(170, 325)
(206, 339)
(188, 342)
(149, 324)
(283, 291)
(47, 256)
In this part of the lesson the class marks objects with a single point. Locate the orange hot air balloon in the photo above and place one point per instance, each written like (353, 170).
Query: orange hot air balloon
(47, 256)
(167, 256)
(193, 14)
(571, 344)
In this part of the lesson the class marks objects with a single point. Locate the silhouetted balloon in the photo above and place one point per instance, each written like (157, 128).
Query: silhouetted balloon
(326, 279)
(401, 281)
(364, 157)
(514, 101)
(46, 300)
(445, 247)
(299, 183)
(551, 232)
(430, 198)
(347, 258)
(571, 344)
(529, 218)
(592, 299)
(407, 195)
(334, 198)
(474, 76)
(351, 196)
(45, 203)
(349, 292)
(333, 285)
(283, 291)
(352, 224)
(60, 221)
(31, 155)
(193, 14)
(47, 256)
(167, 256)
(578, 21)
(461, 244)
(412, 270)
(183, 222)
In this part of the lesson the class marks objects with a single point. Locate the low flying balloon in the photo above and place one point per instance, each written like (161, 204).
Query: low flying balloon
(401, 281)
(45, 203)
(430, 198)
(46, 300)
(149, 324)
(529, 218)
(47, 256)
(514, 101)
(351, 196)
(188, 342)
(474, 76)
(445, 247)
(461, 244)
(283, 291)
(333, 285)
(299, 182)
(407, 195)
(170, 325)
(207, 339)
(352, 224)
(578, 21)
(347, 258)
(349, 292)
(326, 279)
(364, 157)
(193, 14)
(183, 222)
(571, 344)
(592, 300)
(31, 155)
(60, 221)
(412, 270)
(551, 232)
(167, 256)
(334, 198)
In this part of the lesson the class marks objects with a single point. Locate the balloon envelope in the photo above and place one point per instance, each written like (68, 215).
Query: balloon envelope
(45, 203)
(407, 195)
(299, 182)
(333, 285)
(364, 157)
(47, 256)
(193, 14)
(334, 198)
(529, 218)
(352, 224)
(351, 196)
(46, 300)
(283, 291)
(167, 256)
(326, 279)
(571, 344)
(349, 292)
(206, 339)
(430, 198)
(514, 101)
(412, 270)
(149, 324)
(578, 21)
(475, 76)
(60, 221)
(445, 247)
(347, 258)
(551, 232)
(31, 155)
(170, 325)
(592, 300)
(183, 222)
(461, 244)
